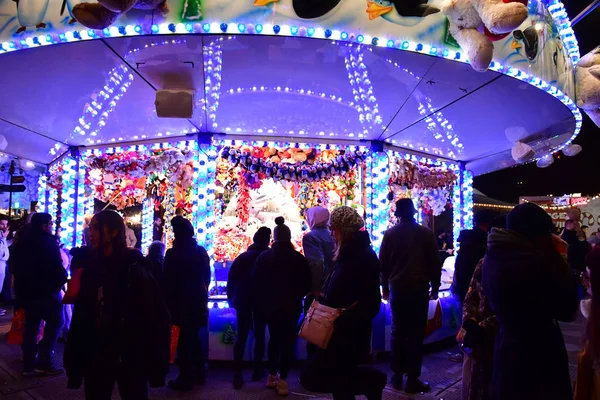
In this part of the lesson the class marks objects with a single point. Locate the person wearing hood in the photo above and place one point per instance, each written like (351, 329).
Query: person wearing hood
(281, 278)
(240, 294)
(187, 276)
(354, 286)
(587, 385)
(529, 287)
(120, 331)
(318, 246)
(410, 263)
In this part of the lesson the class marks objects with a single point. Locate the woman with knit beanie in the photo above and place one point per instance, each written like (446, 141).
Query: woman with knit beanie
(281, 278)
(353, 284)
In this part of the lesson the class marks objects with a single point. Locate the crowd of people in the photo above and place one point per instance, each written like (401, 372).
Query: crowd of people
(513, 277)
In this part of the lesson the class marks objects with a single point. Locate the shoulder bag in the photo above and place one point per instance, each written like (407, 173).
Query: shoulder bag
(319, 323)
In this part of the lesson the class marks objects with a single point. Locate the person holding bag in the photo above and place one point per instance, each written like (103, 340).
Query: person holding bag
(353, 289)
(120, 329)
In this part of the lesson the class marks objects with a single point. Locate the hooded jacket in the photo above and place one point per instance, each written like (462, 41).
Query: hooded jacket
(529, 287)
(130, 323)
(282, 278)
(240, 288)
(318, 246)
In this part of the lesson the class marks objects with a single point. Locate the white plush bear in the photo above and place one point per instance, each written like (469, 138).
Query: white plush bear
(469, 20)
(588, 85)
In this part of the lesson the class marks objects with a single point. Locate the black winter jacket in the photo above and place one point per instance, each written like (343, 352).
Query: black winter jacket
(473, 244)
(187, 276)
(38, 269)
(130, 323)
(282, 278)
(240, 290)
(355, 279)
(529, 287)
(410, 258)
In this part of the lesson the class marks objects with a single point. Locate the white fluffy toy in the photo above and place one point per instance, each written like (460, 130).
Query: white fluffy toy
(475, 24)
(588, 85)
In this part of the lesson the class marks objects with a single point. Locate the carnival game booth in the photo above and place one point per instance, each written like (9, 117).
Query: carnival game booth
(210, 107)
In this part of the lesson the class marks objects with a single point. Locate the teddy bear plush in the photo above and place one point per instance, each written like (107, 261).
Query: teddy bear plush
(104, 13)
(475, 24)
(588, 85)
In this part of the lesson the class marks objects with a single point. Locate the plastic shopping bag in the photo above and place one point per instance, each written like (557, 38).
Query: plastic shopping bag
(434, 317)
(17, 329)
(174, 342)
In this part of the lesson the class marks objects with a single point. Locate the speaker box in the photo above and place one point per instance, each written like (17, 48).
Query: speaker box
(174, 103)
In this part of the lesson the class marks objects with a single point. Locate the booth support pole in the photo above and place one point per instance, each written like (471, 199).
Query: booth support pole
(75, 154)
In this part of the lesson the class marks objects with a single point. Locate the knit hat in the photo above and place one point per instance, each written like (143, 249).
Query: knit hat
(317, 216)
(281, 233)
(405, 208)
(262, 236)
(346, 219)
(182, 228)
(529, 220)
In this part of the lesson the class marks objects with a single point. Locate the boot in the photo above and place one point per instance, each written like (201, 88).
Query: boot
(415, 385)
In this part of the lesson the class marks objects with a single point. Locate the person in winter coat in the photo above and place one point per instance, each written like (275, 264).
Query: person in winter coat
(281, 278)
(86, 235)
(240, 294)
(587, 385)
(473, 244)
(120, 330)
(318, 246)
(410, 262)
(187, 276)
(577, 250)
(156, 257)
(4, 253)
(39, 278)
(529, 287)
(353, 285)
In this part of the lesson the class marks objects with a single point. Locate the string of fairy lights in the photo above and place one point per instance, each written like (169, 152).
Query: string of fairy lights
(507, 207)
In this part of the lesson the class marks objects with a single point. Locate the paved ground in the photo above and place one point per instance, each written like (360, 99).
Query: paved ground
(444, 376)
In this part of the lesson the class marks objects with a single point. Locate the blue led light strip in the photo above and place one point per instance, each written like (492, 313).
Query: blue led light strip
(42, 205)
(555, 8)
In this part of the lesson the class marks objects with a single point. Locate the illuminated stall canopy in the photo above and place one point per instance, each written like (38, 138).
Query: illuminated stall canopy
(392, 95)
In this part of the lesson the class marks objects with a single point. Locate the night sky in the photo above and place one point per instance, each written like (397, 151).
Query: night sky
(580, 174)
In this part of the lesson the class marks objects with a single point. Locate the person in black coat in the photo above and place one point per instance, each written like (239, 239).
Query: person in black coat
(39, 278)
(529, 287)
(353, 285)
(120, 329)
(156, 257)
(187, 276)
(282, 279)
(473, 244)
(240, 294)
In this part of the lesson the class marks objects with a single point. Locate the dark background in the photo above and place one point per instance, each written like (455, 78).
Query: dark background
(580, 174)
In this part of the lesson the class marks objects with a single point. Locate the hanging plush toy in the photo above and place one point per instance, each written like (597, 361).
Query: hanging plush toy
(470, 20)
(588, 85)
